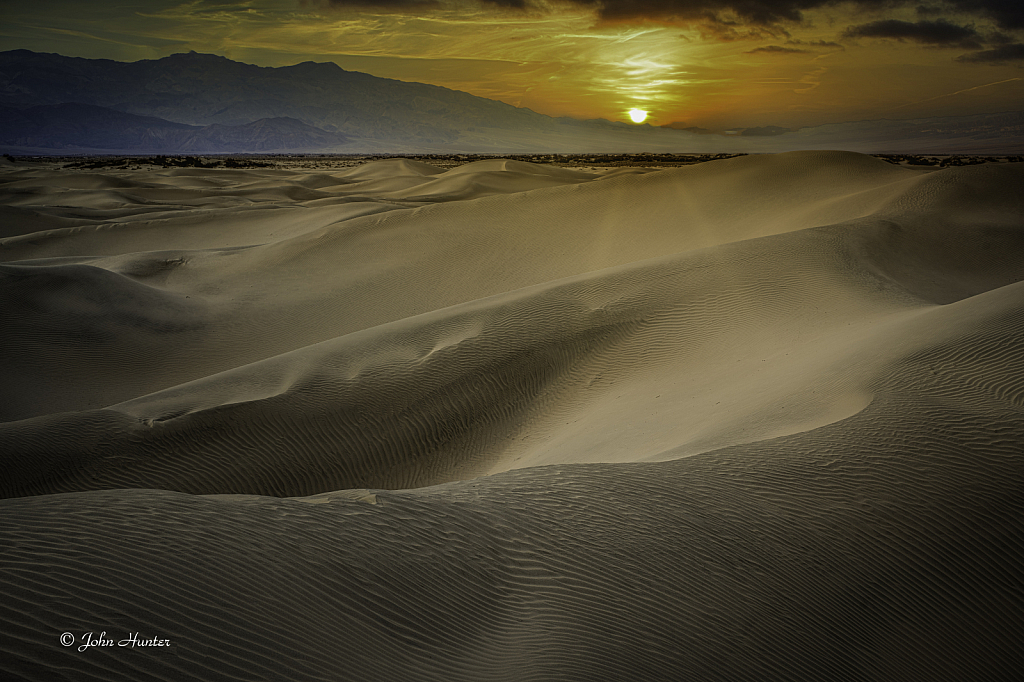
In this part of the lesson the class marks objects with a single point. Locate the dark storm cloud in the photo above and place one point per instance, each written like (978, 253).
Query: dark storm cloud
(939, 33)
(1004, 53)
(775, 49)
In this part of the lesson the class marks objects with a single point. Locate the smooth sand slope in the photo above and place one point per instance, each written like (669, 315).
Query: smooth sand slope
(759, 418)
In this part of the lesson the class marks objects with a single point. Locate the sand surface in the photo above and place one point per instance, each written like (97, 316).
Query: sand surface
(756, 418)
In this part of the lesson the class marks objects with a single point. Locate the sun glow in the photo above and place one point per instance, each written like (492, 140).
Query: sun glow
(638, 115)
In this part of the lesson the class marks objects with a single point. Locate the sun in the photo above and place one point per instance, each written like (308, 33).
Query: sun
(638, 115)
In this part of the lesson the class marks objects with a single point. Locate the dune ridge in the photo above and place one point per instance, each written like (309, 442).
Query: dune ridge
(758, 418)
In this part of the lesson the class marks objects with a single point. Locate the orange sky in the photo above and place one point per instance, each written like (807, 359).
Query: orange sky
(710, 63)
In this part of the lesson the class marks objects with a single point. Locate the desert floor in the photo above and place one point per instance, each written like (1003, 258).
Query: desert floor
(755, 418)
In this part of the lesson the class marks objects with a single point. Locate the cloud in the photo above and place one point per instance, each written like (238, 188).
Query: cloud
(386, 5)
(734, 13)
(750, 18)
(781, 49)
(1001, 54)
(998, 38)
(1008, 14)
(816, 43)
(511, 4)
(812, 80)
(765, 131)
(775, 49)
(938, 33)
(758, 12)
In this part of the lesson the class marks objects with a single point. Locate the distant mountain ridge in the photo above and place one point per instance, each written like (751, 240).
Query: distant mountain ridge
(203, 89)
(75, 126)
(207, 103)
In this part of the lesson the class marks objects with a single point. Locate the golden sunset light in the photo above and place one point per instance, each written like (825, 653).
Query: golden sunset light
(638, 115)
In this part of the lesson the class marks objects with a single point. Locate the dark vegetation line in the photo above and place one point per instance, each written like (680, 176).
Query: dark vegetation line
(646, 160)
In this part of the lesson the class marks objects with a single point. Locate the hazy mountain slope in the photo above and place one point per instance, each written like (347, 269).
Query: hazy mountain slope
(59, 126)
(73, 126)
(200, 89)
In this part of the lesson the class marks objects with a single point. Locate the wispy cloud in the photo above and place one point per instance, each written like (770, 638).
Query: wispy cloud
(776, 49)
(1009, 52)
(812, 80)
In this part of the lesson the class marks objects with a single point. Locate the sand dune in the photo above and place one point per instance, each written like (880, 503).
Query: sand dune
(757, 418)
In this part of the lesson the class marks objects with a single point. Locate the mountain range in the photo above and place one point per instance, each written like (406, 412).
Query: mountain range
(203, 103)
(72, 126)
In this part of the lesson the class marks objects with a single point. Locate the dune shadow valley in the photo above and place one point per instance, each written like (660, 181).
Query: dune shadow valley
(759, 417)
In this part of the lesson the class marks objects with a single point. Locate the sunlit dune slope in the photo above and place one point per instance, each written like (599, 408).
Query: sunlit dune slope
(268, 276)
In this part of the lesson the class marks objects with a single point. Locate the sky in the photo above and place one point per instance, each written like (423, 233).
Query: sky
(715, 64)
